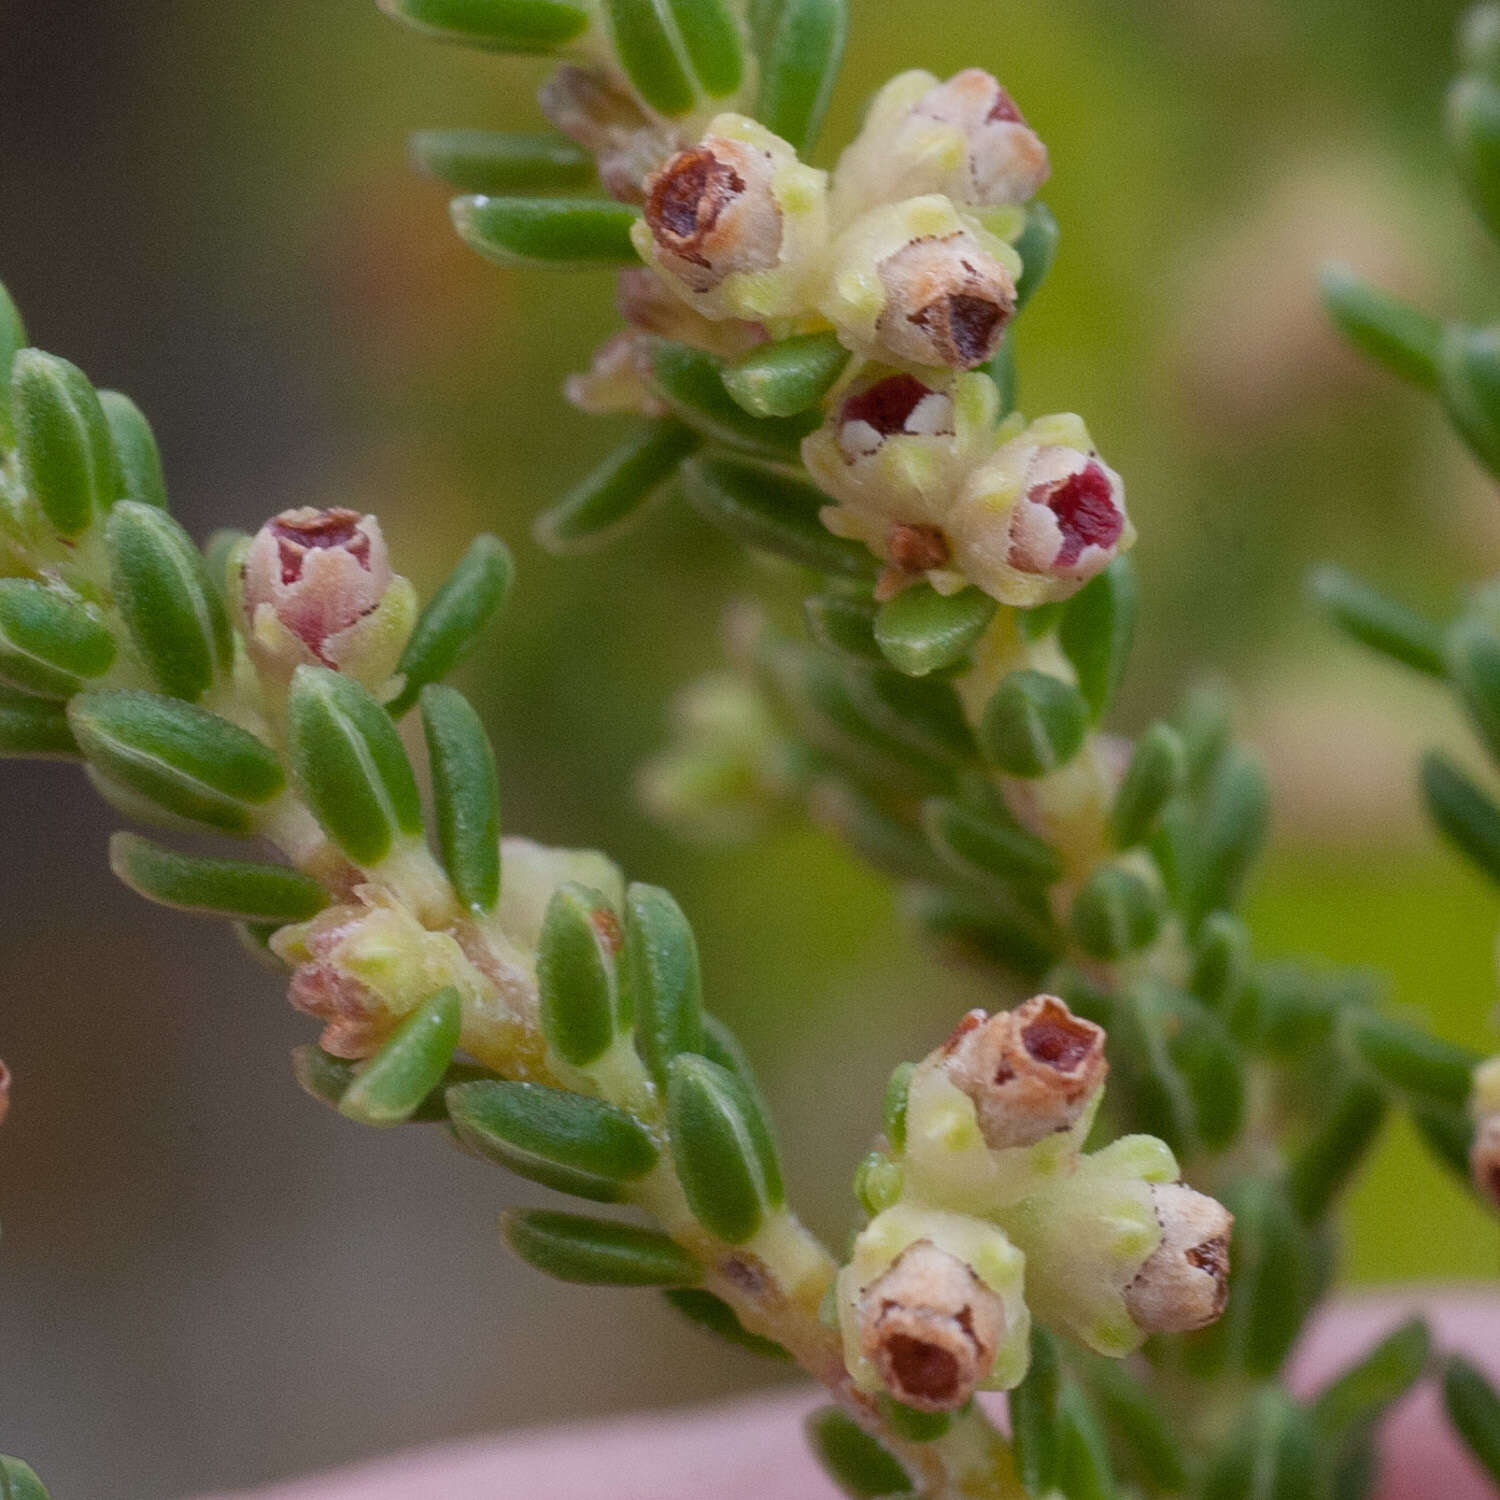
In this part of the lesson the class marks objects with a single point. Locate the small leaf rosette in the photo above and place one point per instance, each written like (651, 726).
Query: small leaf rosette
(736, 224)
(965, 139)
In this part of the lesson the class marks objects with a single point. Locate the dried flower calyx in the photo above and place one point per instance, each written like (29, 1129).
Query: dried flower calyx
(1185, 1282)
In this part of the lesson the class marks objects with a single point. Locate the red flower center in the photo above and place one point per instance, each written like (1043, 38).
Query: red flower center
(1084, 505)
(887, 405)
(327, 528)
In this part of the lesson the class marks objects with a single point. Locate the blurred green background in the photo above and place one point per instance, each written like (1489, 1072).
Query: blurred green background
(207, 1280)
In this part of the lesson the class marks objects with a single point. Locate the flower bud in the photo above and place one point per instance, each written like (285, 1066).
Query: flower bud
(607, 122)
(1041, 517)
(615, 381)
(317, 588)
(964, 138)
(918, 283)
(734, 223)
(931, 1328)
(712, 212)
(1185, 1281)
(1031, 1072)
(894, 455)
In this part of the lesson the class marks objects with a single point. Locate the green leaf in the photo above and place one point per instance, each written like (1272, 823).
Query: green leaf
(598, 1252)
(992, 931)
(725, 1157)
(496, 25)
(773, 511)
(1448, 1134)
(663, 985)
(1469, 384)
(1479, 41)
(1033, 724)
(215, 887)
(1221, 965)
(1136, 1416)
(136, 452)
(500, 161)
(1463, 813)
(1230, 835)
(51, 644)
(1473, 129)
(923, 714)
(349, 765)
(1097, 629)
(173, 610)
(448, 627)
(802, 51)
(1474, 1409)
(1325, 1163)
(465, 794)
(982, 847)
(1271, 1285)
(221, 546)
(1362, 1394)
(389, 1089)
(18, 1481)
(843, 625)
(34, 729)
(854, 1460)
(577, 974)
(179, 758)
(327, 1079)
(1002, 370)
(1378, 622)
(647, 53)
(1151, 780)
(12, 341)
(788, 377)
(564, 1141)
(1203, 721)
(719, 1318)
(1115, 913)
(1424, 1066)
(876, 834)
(1084, 1471)
(711, 36)
(692, 383)
(67, 456)
(1037, 247)
(557, 234)
(1383, 328)
(1474, 662)
(921, 631)
(1272, 1456)
(609, 500)
(1034, 1415)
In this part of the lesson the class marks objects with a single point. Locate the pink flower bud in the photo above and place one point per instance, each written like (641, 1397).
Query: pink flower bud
(948, 301)
(1185, 1282)
(318, 572)
(1070, 518)
(1006, 161)
(356, 1020)
(712, 212)
(1031, 1072)
(1484, 1157)
(931, 1328)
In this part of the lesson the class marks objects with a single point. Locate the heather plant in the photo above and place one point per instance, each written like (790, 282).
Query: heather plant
(1114, 1196)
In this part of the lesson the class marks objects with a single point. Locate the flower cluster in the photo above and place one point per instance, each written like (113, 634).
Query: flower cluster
(908, 254)
(987, 1211)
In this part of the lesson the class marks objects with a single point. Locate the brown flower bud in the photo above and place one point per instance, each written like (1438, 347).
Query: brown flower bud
(1031, 1072)
(1185, 1282)
(1484, 1157)
(1069, 521)
(712, 212)
(1006, 161)
(318, 572)
(947, 302)
(931, 1328)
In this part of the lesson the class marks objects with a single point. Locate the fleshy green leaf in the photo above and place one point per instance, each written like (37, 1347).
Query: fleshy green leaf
(389, 1089)
(1097, 629)
(448, 627)
(1115, 913)
(1037, 247)
(34, 729)
(349, 765)
(12, 341)
(465, 794)
(496, 25)
(1432, 1070)
(577, 974)
(177, 757)
(559, 234)
(1151, 780)
(614, 495)
(598, 1252)
(1361, 1394)
(215, 887)
(1474, 663)
(843, 625)
(663, 986)
(1473, 122)
(565, 1141)
(719, 1318)
(1034, 1415)
(1382, 327)
(647, 53)
(67, 456)
(802, 51)
(789, 377)
(1033, 724)
(18, 1481)
(1380, 623)
(711, 37)
(1221, 965)
(50, 643)
(854, 1460)
(136, 452)
(1463, 813)
(1469, 382)
(1474, 1409)
(499, 161)
(174, 611)
(922, 631)
(981, 846)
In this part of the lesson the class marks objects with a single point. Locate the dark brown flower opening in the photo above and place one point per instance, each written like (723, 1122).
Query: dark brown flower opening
(888, 404)
(1059, 1040)
(966, 325)
(687, 197)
